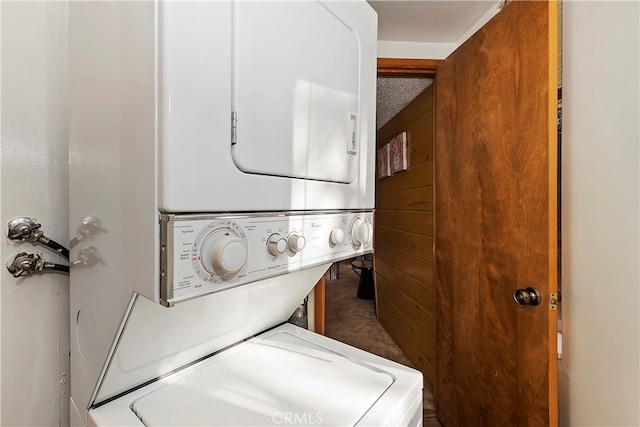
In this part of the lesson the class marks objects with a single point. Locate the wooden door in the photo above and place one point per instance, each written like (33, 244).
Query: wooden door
(496, 223)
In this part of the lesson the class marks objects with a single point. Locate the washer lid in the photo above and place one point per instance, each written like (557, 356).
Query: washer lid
(282, 379)
(155, 341)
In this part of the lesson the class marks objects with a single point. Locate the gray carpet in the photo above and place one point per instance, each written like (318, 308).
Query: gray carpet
(353, 321)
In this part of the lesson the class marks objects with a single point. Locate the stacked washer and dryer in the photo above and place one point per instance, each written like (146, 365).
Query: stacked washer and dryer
(227, 148)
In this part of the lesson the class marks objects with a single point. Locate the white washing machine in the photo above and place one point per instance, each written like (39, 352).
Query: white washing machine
(227, 150)
(285, 376)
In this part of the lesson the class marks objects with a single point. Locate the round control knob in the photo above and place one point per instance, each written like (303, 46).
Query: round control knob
(361, 232)
(297, 242)
(223, 252)
(277, 245)
(336, 236)
(228, 255)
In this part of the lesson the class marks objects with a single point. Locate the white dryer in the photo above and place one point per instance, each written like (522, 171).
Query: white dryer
(228, 148)
(266, 105)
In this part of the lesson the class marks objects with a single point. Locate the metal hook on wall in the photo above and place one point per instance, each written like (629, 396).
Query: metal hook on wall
(25, 264)
(27, 229)
(89, 226)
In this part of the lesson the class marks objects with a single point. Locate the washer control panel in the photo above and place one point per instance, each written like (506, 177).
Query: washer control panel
(201, 254)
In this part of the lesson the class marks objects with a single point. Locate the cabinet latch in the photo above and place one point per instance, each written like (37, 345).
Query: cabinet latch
(553, 301)
(234, 127)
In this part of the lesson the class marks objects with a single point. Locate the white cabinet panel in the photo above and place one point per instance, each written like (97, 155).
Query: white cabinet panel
(297, 105)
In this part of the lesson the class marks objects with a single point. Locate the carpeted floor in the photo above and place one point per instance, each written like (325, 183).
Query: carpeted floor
(353, 321)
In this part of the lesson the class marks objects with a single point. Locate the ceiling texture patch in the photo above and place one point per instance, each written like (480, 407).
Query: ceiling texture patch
(395, 93)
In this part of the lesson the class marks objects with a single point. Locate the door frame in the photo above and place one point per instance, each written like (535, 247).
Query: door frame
(405, 67)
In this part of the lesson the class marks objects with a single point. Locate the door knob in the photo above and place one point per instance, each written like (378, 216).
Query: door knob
(529, 296)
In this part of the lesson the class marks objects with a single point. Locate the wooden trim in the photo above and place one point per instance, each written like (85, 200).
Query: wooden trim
(554, 94)
(319, 306)
(402, 67)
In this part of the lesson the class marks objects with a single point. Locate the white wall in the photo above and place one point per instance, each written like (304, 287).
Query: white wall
(600, 374)
(34, 311)
(429, 50)
(417, 50)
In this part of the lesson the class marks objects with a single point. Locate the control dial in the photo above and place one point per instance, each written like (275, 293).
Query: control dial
(223, 252)
(336, 236)
(296, 242)
(361, 232)
(277, 245)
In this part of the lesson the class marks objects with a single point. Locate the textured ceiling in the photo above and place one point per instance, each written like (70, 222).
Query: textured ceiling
(395, 93)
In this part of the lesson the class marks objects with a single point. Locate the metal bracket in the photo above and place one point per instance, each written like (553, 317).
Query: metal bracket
(89, 226)
(234, 127)
(25, 264)
(553, 301)
(88, 257)
(25, 229)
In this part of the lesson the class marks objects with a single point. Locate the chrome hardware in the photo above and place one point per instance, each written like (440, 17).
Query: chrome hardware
(88, 257)
(276, 244)
(25, 229)
(89, 226)
(528, 296)
(296, 242)
(25, 264)
(234, 127)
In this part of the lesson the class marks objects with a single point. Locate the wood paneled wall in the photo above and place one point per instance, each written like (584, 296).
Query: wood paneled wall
(403, 259)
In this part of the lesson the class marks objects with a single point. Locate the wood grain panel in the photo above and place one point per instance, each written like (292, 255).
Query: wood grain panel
(415, 357)
(414, 126)
(420, 146)
(422, 326)
(411, 199)
(411, 265)
(414, 177)
(417, 291)
(493, 149)
(419, 245)
(411, 221)
(420, 143)
(419, 360)
(403, 238)
(422, 150)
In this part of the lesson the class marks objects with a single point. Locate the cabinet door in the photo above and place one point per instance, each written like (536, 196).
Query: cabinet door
(295, 84)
